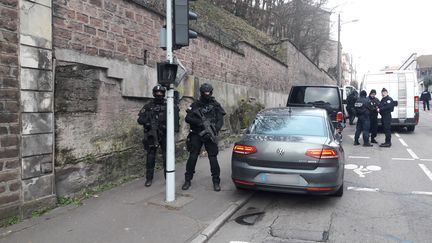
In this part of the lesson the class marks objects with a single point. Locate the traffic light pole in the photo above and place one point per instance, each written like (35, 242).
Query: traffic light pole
(170, 146)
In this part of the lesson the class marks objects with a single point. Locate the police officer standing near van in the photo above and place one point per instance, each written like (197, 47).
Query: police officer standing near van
(363, 108)
(153, 118)
(205, 117)
(373, 115)
(385, 109)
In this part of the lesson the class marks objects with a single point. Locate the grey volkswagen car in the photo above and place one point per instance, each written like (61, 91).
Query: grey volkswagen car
(290, 149)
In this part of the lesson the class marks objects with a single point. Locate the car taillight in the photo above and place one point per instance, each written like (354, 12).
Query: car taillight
(416, 104)
(339, 117)
(326, 153)
(244, 149)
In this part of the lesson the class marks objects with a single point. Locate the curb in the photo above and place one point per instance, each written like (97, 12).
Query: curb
(210, 230)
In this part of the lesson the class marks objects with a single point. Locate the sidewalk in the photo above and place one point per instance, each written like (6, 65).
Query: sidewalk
(134, 213)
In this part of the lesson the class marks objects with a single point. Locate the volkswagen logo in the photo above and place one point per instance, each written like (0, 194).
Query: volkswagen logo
(280, 151)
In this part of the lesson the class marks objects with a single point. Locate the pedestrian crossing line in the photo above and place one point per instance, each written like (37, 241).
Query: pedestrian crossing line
(362, 189)
(426, 171)
(412, 154)
(422, 193)
(403, 159)
(358, 157)
(397, 134)
(403, 142)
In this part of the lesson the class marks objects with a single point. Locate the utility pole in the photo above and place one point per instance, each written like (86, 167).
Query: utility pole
(339, 75)
(170, 148)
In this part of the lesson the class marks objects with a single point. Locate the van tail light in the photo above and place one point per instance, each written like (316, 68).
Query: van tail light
(244, 149)
(416, 104)
(327, 153)
(339, 117)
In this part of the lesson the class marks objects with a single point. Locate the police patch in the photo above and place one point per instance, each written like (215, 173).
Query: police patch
(388, 101)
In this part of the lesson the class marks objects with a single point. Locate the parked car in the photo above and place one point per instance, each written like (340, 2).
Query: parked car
(327, 97)
(293, 149)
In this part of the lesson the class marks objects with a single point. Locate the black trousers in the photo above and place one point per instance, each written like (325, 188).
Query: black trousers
(195, 144)
(151, 159)
(351, 115)
(426, 104)
(363, 125)
(373, 125)
(386, 123)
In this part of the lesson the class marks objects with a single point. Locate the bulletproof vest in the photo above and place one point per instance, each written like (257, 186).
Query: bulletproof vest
(361, 106)
(159, 113)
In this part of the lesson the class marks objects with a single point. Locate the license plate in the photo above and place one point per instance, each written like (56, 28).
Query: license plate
(281, 179)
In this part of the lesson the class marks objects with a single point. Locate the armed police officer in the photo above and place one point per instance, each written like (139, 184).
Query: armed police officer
(385, 109)
(374, 115)
(205, 117)
(153, 118)
(363, 109)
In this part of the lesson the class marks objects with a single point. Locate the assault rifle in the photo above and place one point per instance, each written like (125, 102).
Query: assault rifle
(151, 136)
(209, 129)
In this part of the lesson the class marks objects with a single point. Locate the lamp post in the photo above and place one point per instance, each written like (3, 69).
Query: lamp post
(339, 50)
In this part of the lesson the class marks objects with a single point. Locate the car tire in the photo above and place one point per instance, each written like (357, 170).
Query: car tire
(340, 191)
(411, 128)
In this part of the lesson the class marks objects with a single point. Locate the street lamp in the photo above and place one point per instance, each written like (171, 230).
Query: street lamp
(339, 74)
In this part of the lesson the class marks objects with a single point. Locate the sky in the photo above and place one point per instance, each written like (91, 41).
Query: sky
(387, 31)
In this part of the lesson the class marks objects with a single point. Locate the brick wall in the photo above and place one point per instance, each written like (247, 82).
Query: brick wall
(10, 167)
(123, 30)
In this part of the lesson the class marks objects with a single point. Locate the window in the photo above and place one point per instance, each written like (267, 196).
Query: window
(288, 125)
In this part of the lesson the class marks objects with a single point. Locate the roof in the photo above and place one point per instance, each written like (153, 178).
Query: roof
(424, 61)
(305, 111)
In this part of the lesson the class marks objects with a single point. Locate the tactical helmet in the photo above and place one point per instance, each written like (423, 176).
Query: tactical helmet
(205, 87)
(158, 88)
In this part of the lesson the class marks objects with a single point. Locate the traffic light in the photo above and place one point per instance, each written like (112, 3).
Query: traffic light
(181, 31)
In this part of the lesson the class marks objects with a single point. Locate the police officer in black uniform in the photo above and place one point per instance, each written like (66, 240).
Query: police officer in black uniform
(363, 108)
(153, 118)
(373, 115)
(208, 110)
(385, 109)
(351, 100)
(426, 97)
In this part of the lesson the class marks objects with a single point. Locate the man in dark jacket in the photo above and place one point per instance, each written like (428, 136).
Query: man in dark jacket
(351, 100)
(363, 108)
(205, 117)
(373, 115)
(153, 118)
(385, 109)
(425, 97)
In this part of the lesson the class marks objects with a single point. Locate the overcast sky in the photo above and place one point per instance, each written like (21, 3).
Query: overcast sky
(387, 33)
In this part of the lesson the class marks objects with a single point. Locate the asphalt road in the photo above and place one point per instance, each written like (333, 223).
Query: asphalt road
(388, 198)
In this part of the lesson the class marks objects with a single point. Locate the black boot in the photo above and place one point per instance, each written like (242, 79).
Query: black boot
(356, 143)
(186, 185)
(373, 140)
(148, 182)
(367, 145)
(385, 145)
(216, 186)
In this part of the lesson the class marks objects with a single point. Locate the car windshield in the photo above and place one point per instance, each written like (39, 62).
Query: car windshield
(289, 125)
(324, 96)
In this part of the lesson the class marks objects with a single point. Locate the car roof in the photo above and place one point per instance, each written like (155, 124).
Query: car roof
(293, 110)
(318, 86)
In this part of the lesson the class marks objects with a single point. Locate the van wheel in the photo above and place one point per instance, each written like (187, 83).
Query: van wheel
(411, 128)
(340, 191)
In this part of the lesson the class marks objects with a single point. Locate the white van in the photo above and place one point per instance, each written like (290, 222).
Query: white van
(402, 86)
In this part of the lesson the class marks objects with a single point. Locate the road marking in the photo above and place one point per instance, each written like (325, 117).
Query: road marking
(351, 136)
(403, 159)
(412, 154)
(397, 134)
(426, 171)
(362, 189)
(403, 142)
(351, 166)
(422, 193)
(358, 157)
(426, 159)
(362, 170)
